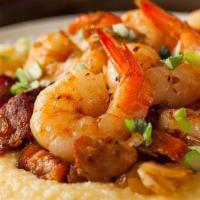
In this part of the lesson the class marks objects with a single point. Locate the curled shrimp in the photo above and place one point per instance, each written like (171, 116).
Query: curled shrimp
(78, 105)
(51, 51)
(175, 88)
(168, 123)
(97, 20)
(173, 28)
(138, 21)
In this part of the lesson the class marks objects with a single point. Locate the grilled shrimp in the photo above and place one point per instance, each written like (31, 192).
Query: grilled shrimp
(193, 19)
(138, 21)
(168, 122)
(81, 101)
(93, 20)
(51, 51)
(175, 88)
(173, 28)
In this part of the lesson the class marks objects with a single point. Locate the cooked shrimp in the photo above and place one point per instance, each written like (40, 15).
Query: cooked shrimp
(193, 19)
(167, 122)
(137, 20)
(51, 51)
(174, 29)
(81, 102)
(97, 20)
(175, 88)
(93, 59)
(146, 57)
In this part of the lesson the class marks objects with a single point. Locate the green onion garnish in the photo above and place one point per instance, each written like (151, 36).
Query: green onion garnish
(173, 61)
(81, 66)
(123, 32)
(22, 75)
(34, 84)
(193, 58)
(23, 45)
(147, 134)
(164, 52)
(140, 126)
(34, 70)
(5, 58)
(26, 79)
(19, 87)
(192, 158)
(181, 117)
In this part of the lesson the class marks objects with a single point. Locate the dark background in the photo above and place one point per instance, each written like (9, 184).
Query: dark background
(12, 11)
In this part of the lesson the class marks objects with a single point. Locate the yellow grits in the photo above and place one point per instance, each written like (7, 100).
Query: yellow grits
(17, 184)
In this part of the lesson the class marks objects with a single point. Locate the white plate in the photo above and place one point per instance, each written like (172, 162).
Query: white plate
(34, 28)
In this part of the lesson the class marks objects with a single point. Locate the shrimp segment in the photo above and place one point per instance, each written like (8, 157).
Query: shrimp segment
(173, 28)
(99, 19)
(136, 91)
(161, 19)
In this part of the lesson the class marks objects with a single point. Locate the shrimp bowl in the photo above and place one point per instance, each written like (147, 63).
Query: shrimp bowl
(106, 108)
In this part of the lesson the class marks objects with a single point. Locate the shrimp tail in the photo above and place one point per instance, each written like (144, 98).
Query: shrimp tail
(99, 19)
(166, 22)
(136, 95)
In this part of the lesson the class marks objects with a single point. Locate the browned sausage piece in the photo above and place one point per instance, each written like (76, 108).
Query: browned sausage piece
(42, 163)
(15, 120)
(166, 144)
(5, 85)
(73, 176)
(102, 159)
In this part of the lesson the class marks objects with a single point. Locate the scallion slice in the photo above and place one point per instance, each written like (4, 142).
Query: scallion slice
(81, 66)
(122, 31)
(192, 158)
(140, 126)
(22, 75)
(23, 45)
(34, 84)
(5, 58)
(193, 58)
(173, 61)
(147, 134)
(181, 117)
(19, 87)
(35, 71)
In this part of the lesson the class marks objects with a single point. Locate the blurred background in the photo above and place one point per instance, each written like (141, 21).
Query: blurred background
(13, 11)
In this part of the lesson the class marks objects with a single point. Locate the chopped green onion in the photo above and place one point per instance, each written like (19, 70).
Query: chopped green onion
(81, 66)
(19, 87)
(130, 124)
(26, 79)
(196, 148)
(34, 84)
(23, 45)
(5, 58)
(35, 70)
(122, 31)
(22, 75)
(164, 52)
(181, 117)
(140, 126)
(192, 159)
(147, 134)
(193, 58)
(173, 61)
